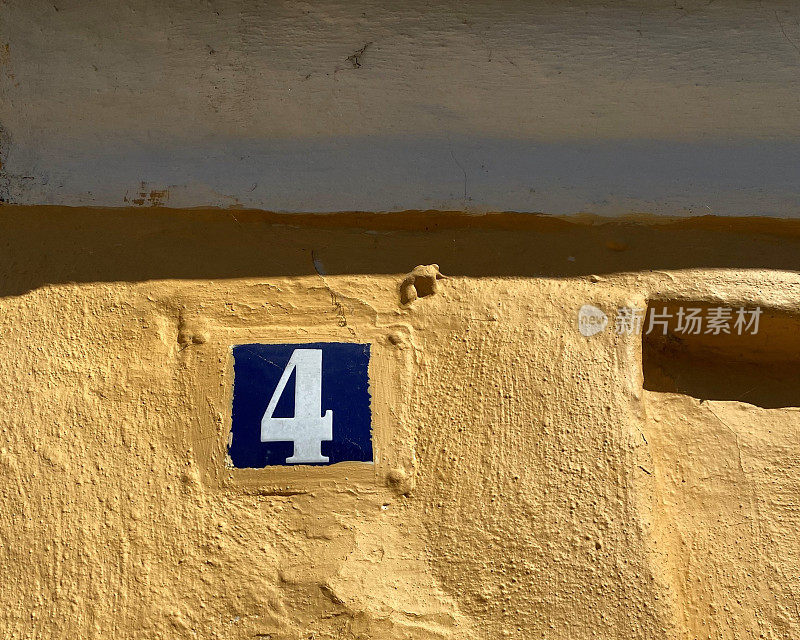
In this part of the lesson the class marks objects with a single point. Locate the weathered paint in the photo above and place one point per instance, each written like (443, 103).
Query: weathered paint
(604, 107)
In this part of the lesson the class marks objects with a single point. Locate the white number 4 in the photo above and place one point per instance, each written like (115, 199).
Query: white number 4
(308, 428)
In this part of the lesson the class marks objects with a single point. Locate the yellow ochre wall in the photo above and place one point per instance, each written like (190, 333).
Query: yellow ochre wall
(525, 484)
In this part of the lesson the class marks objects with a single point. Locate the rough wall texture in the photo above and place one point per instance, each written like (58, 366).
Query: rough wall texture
(528, 105)
(526, 486)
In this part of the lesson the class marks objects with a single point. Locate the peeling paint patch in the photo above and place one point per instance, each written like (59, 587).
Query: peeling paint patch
(5, 182)
(355, 58)
(148, 197)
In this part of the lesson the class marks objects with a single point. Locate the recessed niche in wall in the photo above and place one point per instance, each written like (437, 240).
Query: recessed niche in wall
(761, 368)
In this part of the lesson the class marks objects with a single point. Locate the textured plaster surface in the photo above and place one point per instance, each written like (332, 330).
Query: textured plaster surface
(525, 485)
(558, 107)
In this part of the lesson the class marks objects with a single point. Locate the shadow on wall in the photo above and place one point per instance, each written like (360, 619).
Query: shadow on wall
(756, 368)
(49, 245)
